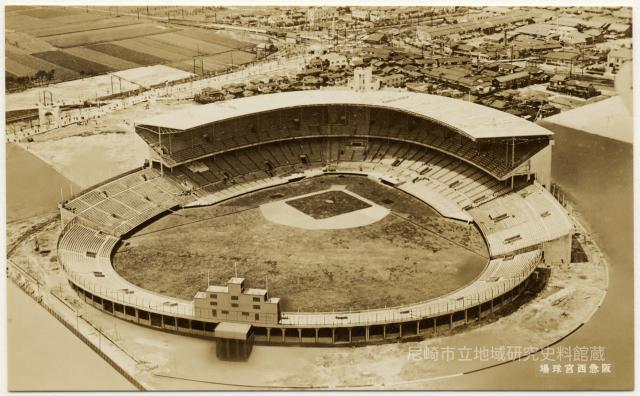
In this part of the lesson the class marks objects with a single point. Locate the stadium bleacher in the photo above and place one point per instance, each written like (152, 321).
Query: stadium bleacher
(120, 205)
(515, 221)
(453, 185)
(314, 121)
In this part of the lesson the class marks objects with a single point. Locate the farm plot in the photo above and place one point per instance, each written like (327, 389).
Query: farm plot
(127, 54)
(81, 65)
(83, 26)
(50, 12)
(159, 49)
(27, 43)
(20, 22)
(17, 69)
(214, 63)
(195, 45)
(104, 35)
(102, 58)
(228, 59)
(14, 55)
(49, 26)
(12, 9)
(214, 37)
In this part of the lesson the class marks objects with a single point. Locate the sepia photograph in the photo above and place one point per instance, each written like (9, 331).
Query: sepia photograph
(319, 197)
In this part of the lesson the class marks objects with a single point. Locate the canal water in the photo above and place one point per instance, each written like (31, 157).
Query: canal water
(33, 187)
(42, 354)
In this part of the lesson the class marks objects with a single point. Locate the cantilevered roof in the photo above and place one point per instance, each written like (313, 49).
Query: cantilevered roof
(473, 120)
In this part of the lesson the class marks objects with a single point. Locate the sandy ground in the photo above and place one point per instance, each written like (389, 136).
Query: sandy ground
(121, 152)
(103, 148)
(386, 263)
(152, 75)
(609, 118)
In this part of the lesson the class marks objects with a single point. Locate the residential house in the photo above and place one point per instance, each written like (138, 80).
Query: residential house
(558, 80)
(513, 80)
(336, 61)
(376, 38)
(562, 58)
(393, 80)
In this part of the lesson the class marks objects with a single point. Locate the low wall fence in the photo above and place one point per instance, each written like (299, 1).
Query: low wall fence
(439, 307)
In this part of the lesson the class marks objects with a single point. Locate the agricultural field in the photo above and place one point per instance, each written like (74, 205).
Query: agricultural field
(165, 51)
(26, 43)
(20, 63)
(80, 65)
(226, 40)
(194, 45)
(83, 25)
(126, 54)
(102, 58)
(104, 35)
(49, 12)
(214, 63)
(85, 41)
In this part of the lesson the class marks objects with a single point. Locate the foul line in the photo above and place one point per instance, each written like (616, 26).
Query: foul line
(192, 222)
(438, 234)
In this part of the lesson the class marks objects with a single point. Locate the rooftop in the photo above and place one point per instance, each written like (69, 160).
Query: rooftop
(478, 122)
(232, 330)
(255, 292)
(512, 76)
(217, 289)
(237, 281)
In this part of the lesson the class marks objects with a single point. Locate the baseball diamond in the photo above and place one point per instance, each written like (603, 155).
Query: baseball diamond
(474, 186)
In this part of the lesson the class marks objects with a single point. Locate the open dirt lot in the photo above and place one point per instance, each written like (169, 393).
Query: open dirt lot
(410, 255)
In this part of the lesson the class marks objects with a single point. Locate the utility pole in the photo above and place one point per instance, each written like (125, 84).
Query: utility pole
(570, 67)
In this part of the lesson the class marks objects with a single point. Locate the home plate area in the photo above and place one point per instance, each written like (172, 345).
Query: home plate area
(334, 208)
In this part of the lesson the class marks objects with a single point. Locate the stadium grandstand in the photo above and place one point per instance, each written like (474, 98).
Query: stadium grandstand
(486, 167)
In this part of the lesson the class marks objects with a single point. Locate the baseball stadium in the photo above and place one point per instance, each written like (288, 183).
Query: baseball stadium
(319, 218)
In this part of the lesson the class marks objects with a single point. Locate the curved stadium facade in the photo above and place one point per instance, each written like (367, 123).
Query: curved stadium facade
(468, 162)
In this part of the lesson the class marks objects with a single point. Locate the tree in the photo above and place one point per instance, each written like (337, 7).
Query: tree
(40, 75)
